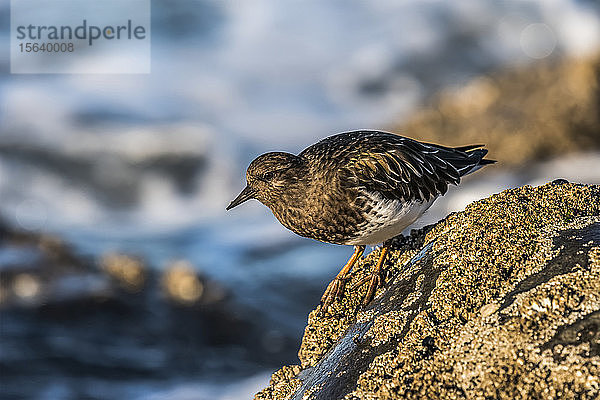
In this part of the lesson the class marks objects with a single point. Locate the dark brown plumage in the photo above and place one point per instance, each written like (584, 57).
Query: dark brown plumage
(358, 188)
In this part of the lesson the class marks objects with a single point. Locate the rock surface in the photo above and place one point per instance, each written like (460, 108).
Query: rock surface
(501, 300)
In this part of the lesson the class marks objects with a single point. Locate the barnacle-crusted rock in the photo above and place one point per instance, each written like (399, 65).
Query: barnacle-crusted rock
(499, 301)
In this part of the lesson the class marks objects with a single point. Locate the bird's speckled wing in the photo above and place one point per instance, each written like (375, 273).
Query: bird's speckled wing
(401, 168)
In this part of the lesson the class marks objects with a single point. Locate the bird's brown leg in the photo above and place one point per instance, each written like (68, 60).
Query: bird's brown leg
(336, 287)
(376, 276)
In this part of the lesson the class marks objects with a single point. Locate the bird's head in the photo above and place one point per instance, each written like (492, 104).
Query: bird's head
(270, 177)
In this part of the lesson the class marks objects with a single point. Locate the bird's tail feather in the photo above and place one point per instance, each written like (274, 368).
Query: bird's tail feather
(476, 154)
(469, 147)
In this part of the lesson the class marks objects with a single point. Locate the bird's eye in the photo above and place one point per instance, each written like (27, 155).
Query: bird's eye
(267, 176)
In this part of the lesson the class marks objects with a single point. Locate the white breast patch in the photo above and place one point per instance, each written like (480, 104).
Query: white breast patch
(389, 218)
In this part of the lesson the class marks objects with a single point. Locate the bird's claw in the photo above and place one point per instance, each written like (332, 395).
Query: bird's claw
(373, 285)
(336, 288)
(333, 292)
(374, 280)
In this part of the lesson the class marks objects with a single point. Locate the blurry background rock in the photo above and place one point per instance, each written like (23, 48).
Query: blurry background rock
(182, 283)
(41, 269)
(524, 114)
(129, 271)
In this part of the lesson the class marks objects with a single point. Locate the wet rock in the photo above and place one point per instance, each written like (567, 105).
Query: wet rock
(500, 301)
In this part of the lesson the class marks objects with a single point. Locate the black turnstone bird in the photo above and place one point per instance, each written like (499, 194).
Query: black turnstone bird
(357, 188)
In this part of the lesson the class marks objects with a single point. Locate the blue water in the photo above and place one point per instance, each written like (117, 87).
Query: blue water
(145, 164)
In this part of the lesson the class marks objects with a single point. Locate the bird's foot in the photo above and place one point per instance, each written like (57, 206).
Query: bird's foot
(375, 281)
(373, 285)
(375, 277)
(333, 292)
(335, 289)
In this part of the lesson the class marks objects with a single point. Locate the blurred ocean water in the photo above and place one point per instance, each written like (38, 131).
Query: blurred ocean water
(145, 164)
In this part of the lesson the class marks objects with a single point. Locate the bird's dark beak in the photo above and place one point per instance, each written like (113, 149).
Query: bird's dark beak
(246, 194)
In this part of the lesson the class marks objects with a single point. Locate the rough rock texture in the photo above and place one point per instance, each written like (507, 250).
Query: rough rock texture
(524, 114)
(499, 301)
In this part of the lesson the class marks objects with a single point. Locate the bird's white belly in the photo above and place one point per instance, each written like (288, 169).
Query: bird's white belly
(388, 218)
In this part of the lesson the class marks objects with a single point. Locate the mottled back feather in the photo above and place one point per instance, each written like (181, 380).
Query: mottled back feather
(397, 167)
